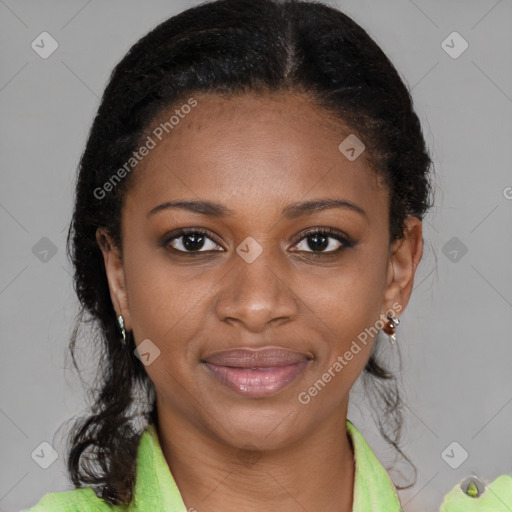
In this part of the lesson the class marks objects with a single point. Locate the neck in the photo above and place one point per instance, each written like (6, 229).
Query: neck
(313, 473)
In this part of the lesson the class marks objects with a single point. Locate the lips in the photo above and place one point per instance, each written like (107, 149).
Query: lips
(262, 358)
(256, 373)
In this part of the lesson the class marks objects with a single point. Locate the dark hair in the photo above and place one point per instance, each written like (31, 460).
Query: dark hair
(224, 47)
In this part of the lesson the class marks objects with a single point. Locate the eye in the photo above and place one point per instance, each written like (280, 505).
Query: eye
(191, 240)
(324, 240)
(317, 242)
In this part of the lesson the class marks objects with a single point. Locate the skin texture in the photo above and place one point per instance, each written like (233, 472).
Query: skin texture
(256, 155)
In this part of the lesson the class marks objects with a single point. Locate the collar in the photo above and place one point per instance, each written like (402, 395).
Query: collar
(373, 488)
(155, 488)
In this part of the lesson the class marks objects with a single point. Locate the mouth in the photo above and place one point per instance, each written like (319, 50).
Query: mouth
(257, 373)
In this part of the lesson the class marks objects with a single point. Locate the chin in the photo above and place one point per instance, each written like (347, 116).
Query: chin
(264, 429)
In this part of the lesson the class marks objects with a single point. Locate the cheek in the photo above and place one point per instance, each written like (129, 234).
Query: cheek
(345, 305)
(344, 311)
(348, 297)
(164, 304)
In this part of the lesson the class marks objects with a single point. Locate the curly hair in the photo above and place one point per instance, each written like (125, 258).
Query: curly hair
(224, 47)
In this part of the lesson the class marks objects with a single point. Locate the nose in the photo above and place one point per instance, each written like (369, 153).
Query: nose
(256, 295)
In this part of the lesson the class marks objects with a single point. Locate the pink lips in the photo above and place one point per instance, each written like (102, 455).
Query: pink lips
(256, 373)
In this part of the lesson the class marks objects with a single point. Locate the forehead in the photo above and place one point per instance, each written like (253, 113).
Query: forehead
(264, 149)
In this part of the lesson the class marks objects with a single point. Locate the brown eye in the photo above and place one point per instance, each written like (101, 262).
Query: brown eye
(325, 240)
(191, 240)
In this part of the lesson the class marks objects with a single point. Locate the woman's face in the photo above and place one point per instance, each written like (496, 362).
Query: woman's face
(254, 279)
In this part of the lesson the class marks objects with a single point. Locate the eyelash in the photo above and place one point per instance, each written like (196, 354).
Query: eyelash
(326, 232)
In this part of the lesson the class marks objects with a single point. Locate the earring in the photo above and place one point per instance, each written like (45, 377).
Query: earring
(120, 321)
(390, 327)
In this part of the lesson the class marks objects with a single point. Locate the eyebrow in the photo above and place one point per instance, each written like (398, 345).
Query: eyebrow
(291, 211)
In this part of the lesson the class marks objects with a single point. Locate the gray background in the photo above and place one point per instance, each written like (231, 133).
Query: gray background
(455, 333)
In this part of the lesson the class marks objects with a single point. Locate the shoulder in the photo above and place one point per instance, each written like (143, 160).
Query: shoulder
(480, 497)
(78, 500)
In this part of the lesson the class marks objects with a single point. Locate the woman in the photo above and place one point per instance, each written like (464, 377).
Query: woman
(247, 220)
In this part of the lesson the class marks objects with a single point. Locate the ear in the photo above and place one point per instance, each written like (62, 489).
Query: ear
(115, 275)
(405, 255)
